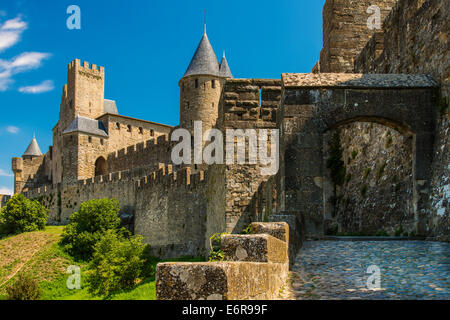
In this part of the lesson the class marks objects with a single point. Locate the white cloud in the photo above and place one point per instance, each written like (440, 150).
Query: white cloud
(14, 24)
(6, 190)
(27, 61)
(12, 129)
(21, 63)
(3, 173)
(45, 86)
(10, 32)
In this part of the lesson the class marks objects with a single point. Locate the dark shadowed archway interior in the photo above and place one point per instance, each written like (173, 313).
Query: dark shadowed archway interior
(100, 166)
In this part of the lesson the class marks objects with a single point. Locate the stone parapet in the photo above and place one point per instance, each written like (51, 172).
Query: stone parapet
(258, 271)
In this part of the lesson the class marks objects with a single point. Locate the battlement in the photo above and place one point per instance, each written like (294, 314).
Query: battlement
(152, 151)
(251, 100)
(168, 178)
(86, 67)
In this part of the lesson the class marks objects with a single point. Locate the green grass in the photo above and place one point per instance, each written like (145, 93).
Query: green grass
(49, 264)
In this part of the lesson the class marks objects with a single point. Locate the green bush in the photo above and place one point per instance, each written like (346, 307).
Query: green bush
(22, 215)
(117, 263)
(215, 243)
(25, 288)
(89, 224)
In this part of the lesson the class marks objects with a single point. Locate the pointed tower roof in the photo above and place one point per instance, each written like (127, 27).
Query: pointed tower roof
(204, 61)
(224, 69)
(33, 149)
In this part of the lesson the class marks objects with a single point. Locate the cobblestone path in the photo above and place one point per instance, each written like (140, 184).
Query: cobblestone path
(337, 270)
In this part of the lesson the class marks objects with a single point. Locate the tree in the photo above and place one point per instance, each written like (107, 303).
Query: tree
(89, 224)
(117, 263)
(22, 215)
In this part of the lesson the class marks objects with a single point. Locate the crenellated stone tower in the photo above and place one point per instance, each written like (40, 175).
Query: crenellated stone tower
(201, 87)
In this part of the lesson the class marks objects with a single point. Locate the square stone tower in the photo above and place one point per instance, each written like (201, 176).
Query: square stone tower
(85, 92)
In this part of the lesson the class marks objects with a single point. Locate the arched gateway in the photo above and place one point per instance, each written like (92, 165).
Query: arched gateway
(314, 103)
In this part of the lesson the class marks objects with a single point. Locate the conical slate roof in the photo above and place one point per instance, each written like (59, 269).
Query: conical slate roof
(33, 149)
(204, 61)
(224, 69)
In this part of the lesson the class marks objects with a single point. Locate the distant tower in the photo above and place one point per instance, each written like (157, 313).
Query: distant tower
(31, 159)
(33, 150)
(201, 87)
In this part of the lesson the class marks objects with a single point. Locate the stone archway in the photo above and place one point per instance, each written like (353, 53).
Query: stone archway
(314, 103)
(100, 167)
(367, 179)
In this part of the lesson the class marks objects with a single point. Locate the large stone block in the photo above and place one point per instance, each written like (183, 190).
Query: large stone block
(219, 280)
(254, 248)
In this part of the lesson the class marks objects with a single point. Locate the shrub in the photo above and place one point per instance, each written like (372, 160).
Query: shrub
(89, 224)
(354, 154)
(399, 231)
(22, 215)
(381, 233)
(117, 263)
(25, 288)
(215, 243)
(388, 140)
(247, 230)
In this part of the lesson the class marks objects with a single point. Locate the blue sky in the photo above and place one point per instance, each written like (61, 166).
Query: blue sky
(145, 47)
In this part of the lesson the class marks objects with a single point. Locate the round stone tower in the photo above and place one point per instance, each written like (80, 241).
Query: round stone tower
(201, 87)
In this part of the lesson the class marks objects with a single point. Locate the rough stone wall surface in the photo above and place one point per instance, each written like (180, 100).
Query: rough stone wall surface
(415, 40)
(248, 104)
(378, 188)
(345, 31)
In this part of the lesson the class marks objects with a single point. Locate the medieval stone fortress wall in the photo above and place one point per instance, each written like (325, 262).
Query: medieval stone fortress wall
(99, 153)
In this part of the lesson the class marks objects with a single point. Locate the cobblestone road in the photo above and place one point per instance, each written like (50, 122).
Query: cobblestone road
(337, 270)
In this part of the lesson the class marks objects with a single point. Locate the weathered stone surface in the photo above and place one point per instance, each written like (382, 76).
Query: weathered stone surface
(219, 280)
(279, 230)
(348, 80)
(254, 248)
(296, 232)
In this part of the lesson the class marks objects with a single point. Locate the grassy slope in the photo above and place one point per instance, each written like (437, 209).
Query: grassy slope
(39, 254)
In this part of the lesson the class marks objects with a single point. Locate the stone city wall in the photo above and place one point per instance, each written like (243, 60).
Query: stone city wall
(169, 208)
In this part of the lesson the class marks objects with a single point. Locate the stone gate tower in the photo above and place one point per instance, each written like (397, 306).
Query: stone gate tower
(201, 86)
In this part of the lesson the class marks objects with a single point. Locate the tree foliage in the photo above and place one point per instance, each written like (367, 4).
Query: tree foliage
(117, 263)
(89, 224)
(22, 215)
